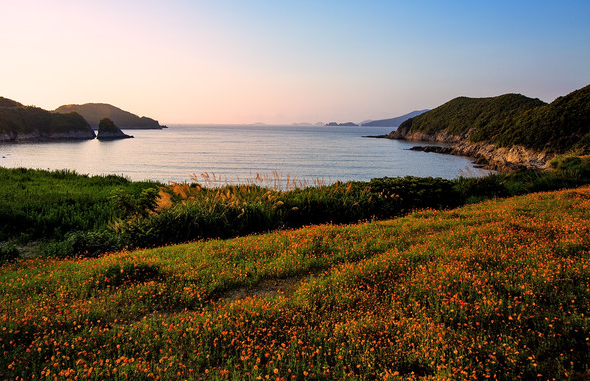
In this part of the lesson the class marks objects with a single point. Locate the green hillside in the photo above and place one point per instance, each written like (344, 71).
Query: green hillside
(511, 119)
(18, 122)
(557, 127)
(94, 112)
(498, 290)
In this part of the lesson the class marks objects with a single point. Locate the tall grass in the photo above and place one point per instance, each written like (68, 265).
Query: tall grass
(212, 210)
(48, 205)
(192, 211)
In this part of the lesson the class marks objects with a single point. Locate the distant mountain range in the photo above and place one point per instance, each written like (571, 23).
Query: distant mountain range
(94, 112)
(393, 122)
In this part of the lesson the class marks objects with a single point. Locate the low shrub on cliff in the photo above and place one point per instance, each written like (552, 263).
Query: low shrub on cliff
(566, 172)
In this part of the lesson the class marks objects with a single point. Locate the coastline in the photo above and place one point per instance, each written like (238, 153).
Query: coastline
(38, 137)
(485, 155)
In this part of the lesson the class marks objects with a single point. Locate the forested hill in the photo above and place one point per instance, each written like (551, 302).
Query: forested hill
(509, 120)
(94, 112)
(19, 123)
(5, 102)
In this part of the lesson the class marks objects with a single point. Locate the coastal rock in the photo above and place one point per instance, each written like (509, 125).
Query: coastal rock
(489, 156)
(435, 149)
(504, 159)
(41, 137)
(107, 130)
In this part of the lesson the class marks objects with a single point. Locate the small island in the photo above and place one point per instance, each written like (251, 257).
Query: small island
(107, 130)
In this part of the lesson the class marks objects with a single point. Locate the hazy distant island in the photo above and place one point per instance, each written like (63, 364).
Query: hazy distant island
(94, 112)
(509, 132)
(336, 124)
(28, 123)
(393, 122)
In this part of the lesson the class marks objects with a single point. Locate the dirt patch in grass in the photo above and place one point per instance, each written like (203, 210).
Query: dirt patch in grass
(268, 287)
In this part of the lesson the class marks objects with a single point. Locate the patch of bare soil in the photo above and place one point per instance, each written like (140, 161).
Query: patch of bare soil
(268, 287)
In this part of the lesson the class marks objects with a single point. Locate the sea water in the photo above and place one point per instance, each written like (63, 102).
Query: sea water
(238, 153)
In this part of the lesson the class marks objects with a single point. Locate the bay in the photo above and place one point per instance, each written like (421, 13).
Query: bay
(237, 153)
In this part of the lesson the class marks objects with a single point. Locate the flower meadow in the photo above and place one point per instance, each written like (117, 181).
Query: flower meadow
(494, 290)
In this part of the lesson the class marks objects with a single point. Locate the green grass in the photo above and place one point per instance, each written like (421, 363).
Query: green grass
(499, 289)
(39, 204)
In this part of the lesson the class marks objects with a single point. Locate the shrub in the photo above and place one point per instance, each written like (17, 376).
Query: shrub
(8, 253)
(86, 244)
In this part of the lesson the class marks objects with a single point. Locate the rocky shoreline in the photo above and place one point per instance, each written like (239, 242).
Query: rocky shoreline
(485, 155)
(39, 137)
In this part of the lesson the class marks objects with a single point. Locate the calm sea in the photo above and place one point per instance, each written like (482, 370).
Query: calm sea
(236, 153)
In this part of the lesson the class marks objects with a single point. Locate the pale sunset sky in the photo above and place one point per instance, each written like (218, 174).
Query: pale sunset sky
(279, 62)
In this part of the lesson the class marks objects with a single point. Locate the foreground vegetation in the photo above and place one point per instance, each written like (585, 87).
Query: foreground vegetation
(38, 204)
(499, 289)
(69, 214)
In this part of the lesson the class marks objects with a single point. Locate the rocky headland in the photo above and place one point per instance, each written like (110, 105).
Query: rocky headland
(19, 123)
(507, 133)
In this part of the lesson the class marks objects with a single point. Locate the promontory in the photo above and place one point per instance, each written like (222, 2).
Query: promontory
(509, 132)
(28, 123)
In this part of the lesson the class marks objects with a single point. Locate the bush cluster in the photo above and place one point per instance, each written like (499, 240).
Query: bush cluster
(81, 215)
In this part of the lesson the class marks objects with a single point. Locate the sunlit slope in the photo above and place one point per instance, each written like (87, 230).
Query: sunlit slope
(498, 289)
(511, 119)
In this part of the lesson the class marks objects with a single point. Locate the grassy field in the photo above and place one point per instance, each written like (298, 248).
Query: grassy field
(65, 214)
(38, 204)
(498, 289)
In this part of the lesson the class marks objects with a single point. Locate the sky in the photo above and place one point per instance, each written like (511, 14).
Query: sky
(283, 62)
